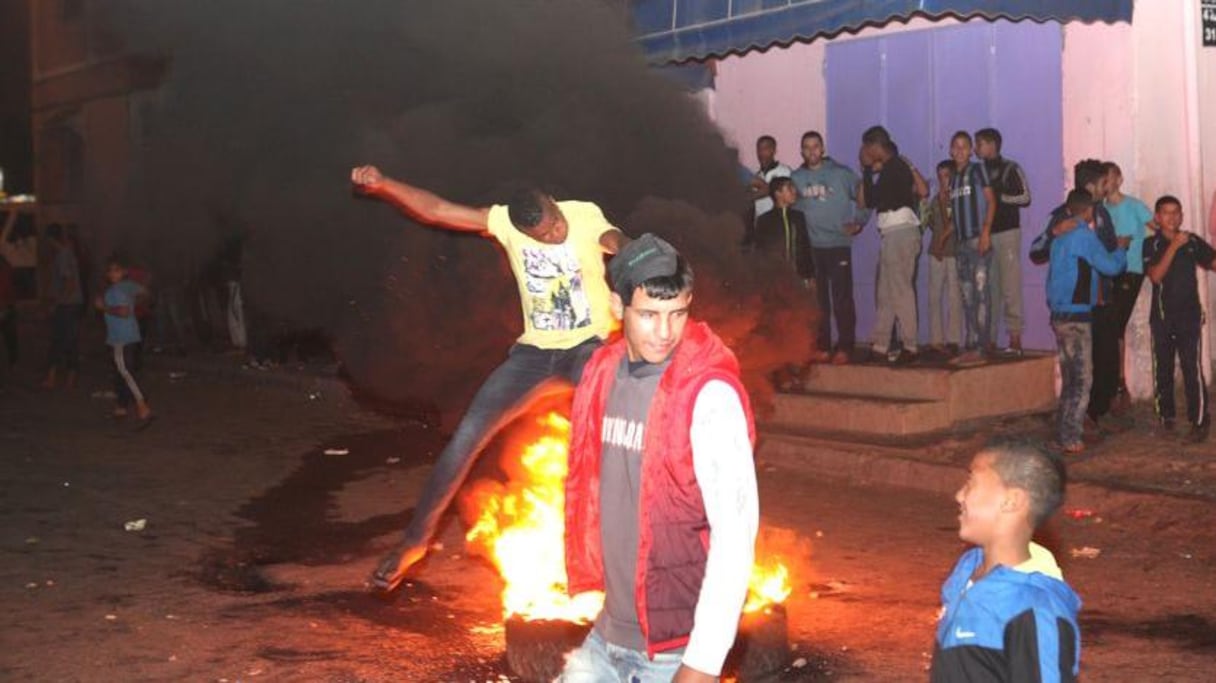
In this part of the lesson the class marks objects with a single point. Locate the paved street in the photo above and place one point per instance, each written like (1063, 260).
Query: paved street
(252, 562)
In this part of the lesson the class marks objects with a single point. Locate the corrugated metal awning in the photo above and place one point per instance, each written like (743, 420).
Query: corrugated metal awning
(679, 30)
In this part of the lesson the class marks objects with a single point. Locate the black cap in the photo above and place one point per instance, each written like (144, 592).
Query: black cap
(642, 259)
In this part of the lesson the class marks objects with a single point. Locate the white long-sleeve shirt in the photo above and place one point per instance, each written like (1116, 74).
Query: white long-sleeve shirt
(726, 475)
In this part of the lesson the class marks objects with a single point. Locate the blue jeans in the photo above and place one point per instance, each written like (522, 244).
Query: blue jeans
(1075, 343)
(597, 661)
(973, 280)
(499, 400)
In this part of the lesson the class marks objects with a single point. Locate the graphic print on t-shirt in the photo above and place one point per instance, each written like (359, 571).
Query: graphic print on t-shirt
(554, 282)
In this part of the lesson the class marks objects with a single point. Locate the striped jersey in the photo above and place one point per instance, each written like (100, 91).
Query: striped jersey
(967, 200)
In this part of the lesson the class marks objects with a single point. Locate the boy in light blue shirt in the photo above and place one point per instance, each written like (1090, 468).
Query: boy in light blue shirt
(122, 336)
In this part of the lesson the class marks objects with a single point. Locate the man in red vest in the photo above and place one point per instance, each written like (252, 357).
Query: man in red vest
(661, 503)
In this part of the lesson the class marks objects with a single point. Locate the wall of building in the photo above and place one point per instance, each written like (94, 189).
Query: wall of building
(1142, 95)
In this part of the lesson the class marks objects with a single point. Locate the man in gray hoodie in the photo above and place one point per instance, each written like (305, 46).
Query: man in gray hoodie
(827, 194)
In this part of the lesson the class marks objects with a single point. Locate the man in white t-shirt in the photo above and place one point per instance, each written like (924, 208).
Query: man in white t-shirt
(766, 156)
(556, 251)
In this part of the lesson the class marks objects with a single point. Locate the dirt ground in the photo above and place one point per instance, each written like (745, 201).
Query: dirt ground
(256, 546)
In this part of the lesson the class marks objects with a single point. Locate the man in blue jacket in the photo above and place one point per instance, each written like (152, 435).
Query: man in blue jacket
(1007, 614)
(827, 195)
(1090, 175)
(1073, 290)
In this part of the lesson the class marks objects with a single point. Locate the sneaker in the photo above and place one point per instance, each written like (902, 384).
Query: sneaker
(952, 350)
(1012, 352)
(840, 358)
(904, 357)
(393, 568)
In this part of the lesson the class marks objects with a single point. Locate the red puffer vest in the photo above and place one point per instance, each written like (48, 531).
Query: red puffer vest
(674, 531)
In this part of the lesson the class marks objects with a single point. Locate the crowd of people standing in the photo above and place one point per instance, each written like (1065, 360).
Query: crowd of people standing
(971, 211)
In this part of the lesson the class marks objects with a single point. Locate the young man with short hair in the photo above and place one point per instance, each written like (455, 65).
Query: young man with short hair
(661, 503)
(1170, 259)
(769, 168)
(973, 205)
(827, 195)
(945, 295)
(782, 232)
(1072, 291)
(890, 187)
(556, 252)
(1007, 614)
(1012, 192)
(1090, 175)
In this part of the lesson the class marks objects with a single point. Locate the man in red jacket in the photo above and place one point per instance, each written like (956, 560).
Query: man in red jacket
(661, 504)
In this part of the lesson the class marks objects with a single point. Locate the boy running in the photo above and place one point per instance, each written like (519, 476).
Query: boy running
(122, 336)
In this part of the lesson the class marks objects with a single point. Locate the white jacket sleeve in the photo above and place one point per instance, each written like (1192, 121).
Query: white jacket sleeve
(726, 474)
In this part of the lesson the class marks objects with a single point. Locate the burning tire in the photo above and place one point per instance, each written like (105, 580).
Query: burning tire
(762, 647)
(536, 650)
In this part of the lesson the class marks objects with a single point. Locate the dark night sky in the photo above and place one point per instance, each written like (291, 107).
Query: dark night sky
(16, 147)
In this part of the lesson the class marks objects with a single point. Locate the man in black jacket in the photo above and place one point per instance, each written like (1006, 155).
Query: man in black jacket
(782, 232)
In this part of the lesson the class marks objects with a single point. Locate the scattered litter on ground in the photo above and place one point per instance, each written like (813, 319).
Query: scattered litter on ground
(32, 584)
(799, 663)
(314, 395)
(135, 524)
(106, 395)
(337, 451)
(392, 461)
(174, 376)
(1087, 552)
(111, 617)
(1079, 513)
(32, 540)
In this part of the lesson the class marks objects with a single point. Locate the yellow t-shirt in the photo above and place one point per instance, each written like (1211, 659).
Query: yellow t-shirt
(562, 288)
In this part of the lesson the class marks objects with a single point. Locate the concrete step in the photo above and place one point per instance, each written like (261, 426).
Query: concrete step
(884, 401)
(923, 383)
(818, 411)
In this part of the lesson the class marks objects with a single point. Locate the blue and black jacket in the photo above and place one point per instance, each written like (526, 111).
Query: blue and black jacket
(1104, 227)
(1072, 287)
(1009, 626)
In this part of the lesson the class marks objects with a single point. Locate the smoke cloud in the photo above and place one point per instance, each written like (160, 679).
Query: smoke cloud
(267, 105)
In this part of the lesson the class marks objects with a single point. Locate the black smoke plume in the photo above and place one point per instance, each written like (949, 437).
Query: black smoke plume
(267, 105)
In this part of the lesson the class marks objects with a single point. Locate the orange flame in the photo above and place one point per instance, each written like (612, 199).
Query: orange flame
(520, 527)
(769, 585)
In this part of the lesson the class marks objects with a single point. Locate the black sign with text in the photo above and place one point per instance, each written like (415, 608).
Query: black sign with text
(1207, 13)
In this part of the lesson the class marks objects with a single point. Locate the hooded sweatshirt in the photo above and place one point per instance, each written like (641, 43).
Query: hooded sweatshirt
(828, 197)
(1011, 625)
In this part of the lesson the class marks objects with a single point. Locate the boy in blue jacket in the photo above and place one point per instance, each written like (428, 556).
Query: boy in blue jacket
(1007, 614)
(1077, 258)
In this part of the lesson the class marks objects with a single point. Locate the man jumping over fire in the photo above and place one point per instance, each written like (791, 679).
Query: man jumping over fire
(661, 503)
(556, 251)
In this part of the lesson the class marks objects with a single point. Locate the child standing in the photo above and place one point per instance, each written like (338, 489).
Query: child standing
(122, 335)
(1072, 291)
(943, 270)
(1007, 613)
(1176, 321)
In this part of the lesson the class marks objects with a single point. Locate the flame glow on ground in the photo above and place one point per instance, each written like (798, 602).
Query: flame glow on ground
(519, 526)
